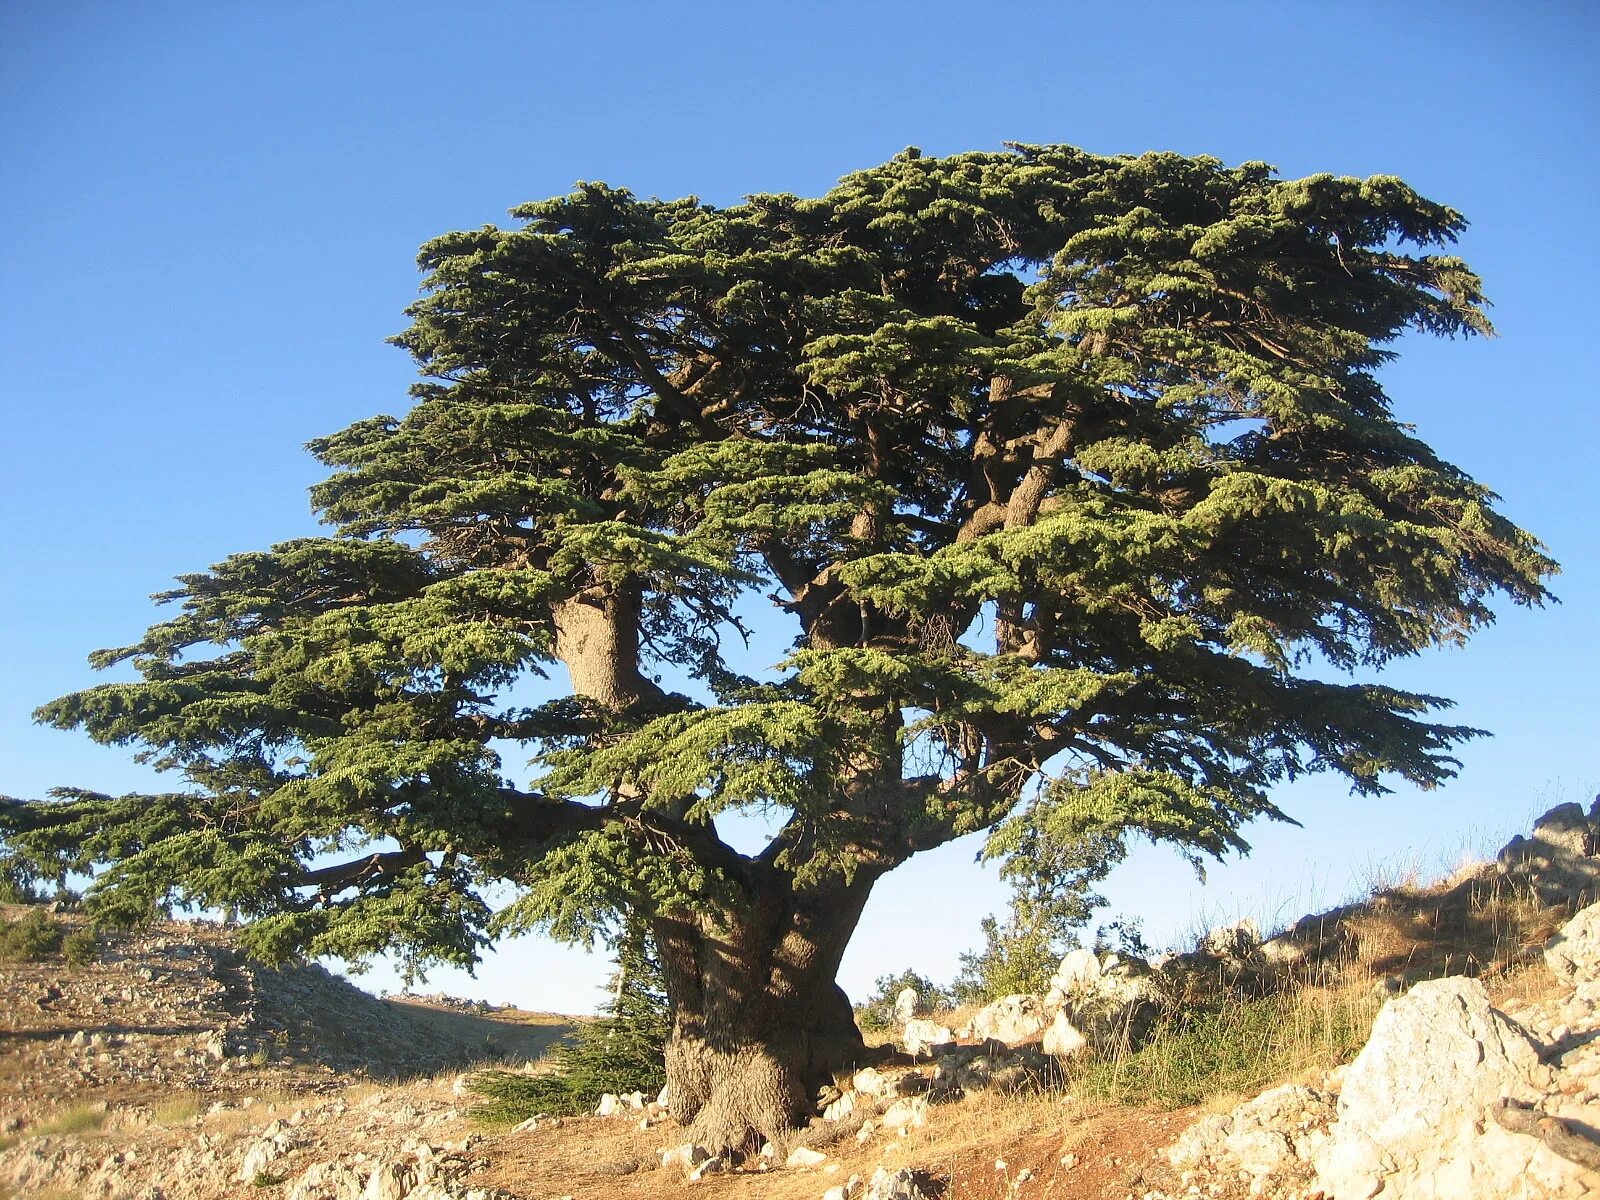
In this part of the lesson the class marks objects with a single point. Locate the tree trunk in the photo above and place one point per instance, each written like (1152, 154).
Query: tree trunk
(759, 1025)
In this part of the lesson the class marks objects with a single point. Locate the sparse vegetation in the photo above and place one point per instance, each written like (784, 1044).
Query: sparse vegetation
(179, 1110)
(621, 1052)
(79, 1119)
(1237, 1047)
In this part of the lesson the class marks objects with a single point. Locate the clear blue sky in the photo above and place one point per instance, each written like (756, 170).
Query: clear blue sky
(210, 213)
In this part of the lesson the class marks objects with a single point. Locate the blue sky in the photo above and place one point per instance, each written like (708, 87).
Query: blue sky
(211, 211)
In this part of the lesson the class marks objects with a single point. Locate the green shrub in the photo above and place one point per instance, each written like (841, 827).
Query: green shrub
(1016, 957)
(34, 937)
(81, 947)
(876, 1013)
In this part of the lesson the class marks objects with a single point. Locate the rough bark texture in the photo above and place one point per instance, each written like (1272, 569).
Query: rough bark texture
(760, 1026)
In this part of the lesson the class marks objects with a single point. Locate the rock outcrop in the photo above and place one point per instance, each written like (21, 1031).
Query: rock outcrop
(1415, 1116)
(1560, 860)
(1451, 1097)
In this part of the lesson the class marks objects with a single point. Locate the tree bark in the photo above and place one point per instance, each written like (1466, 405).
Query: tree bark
(760, 1028)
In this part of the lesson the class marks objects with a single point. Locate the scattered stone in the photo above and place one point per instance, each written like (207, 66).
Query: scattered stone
(911, 1113)
(905, 1006)
(841, 1108)
(1559, 860)
(686, 1157)
(1063, 1039)
(804, 1156)
(903, 1184)
(869, 1082)
(711, 1166)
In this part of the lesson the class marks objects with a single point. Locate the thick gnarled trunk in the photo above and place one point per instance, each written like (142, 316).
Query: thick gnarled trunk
(760, 1027)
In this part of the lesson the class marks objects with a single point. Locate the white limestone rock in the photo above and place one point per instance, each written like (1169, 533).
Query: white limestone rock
(1573, 955)
(922, 1035)
(1010, 1019)
(1414, 1115)
(905, 1006)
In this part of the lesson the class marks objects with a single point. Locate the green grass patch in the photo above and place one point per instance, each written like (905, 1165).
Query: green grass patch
(1239, 1047)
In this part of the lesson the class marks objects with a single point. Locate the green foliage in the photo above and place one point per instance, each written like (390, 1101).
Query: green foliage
(876, 1012)
(80, 948)
(1073, 474)
(30, 938)
(621, 1051)
(15, 891)
(1016, 957)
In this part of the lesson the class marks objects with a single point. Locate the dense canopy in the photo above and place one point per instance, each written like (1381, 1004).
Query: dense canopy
(1072, 475)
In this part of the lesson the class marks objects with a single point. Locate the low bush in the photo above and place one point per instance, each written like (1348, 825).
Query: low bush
(620, 1052)
(83, 1118)
(34, 937)
(80, 948)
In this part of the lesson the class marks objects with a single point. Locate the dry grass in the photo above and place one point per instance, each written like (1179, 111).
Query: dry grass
(179, 1109)
(79, 1119)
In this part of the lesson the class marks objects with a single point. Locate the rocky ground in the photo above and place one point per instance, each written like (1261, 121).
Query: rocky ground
(174, 1070)
(177, 1010)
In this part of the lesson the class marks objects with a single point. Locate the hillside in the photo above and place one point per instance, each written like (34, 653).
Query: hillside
(1427, 1042)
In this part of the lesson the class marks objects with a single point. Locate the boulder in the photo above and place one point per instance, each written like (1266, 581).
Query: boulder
(328, 1181)
(1238, 943)
(1063, 1039)
(1573, 955)
(1415, 1114)
(903, 1184)
(869, 1082)
(1559, 859)
(1274, 1134)
(905, 1006)
(685, 1157)
(805, 1156)
(838, 1110)
(1078, 973)
(274, 1142)
(921, 1036)
(391, 1179)
(611, 1105)
(1010, 1019)
(910, 1113)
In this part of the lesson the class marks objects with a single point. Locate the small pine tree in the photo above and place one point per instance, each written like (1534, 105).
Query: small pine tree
(621, 1051)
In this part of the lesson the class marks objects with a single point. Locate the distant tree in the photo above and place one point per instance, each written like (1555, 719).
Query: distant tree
(1073, 474)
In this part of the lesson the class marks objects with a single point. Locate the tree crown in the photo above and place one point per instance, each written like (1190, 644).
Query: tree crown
(1073, 475)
